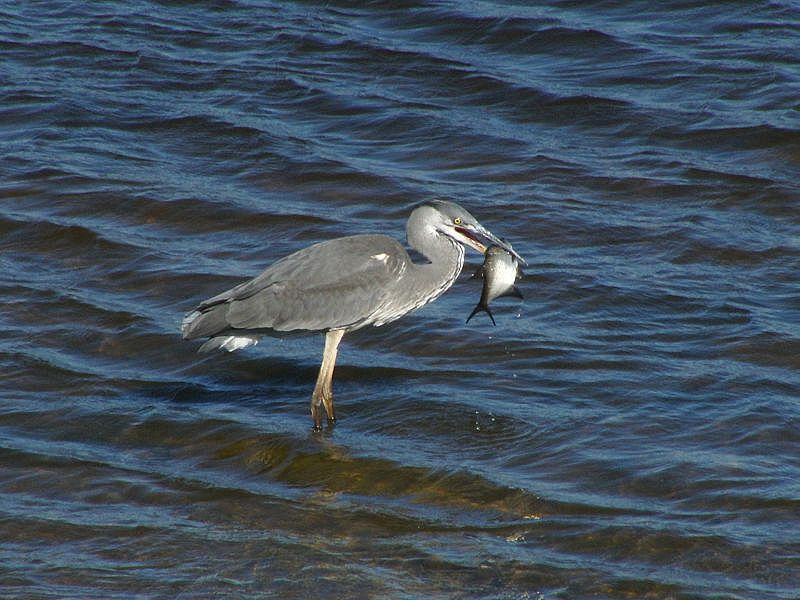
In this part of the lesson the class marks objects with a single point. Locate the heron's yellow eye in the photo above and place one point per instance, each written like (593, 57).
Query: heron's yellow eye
(457, 221)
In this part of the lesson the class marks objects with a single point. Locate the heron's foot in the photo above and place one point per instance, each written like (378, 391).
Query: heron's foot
(327, 402)
(317, 404)
(316, 416)
(317, 427)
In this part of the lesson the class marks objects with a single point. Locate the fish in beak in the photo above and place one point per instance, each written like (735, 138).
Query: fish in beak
(500, 270)
(473, 236)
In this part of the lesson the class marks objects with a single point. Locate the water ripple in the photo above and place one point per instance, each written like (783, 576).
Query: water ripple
(628, 430)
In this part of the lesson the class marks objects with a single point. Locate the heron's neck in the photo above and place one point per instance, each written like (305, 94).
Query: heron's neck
(446, 258)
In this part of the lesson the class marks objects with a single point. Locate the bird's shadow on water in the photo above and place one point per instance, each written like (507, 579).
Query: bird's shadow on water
(223, 378)
(248, 416)
(270, 384)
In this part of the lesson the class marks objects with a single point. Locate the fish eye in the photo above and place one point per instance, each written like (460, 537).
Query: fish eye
(457, 221)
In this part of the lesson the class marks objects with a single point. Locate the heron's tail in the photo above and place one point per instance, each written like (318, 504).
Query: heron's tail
(203, 323)
(211, 323)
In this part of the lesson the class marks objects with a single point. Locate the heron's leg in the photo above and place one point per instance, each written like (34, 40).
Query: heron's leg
(323, 390)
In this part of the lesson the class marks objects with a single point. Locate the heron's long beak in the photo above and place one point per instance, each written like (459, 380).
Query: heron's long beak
(471, 234)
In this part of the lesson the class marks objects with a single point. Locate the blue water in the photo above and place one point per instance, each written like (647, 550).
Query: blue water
(629, 430)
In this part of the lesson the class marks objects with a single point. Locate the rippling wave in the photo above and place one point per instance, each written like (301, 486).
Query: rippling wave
(629, 430)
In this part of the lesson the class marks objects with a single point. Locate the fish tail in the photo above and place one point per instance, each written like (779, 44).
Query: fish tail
(478, 307)
(474, 310)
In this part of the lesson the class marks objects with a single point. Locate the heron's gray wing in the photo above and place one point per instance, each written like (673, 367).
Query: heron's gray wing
(335, 284)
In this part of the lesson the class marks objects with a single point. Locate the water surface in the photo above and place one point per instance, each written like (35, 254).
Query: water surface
(630, 430)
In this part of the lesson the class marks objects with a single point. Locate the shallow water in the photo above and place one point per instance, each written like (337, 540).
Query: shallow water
(630, 430)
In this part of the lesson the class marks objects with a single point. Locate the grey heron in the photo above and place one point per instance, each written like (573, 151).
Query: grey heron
(341, 285)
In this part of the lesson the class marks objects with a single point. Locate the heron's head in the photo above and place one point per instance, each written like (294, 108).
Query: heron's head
(454, 221)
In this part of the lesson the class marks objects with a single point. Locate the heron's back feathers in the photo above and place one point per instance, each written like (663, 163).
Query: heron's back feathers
(338, 284)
